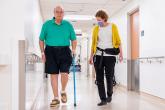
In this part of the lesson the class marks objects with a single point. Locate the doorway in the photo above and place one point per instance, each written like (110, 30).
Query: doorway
(133, 76)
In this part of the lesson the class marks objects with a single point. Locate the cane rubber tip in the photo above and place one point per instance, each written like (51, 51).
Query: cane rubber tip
(75, 105)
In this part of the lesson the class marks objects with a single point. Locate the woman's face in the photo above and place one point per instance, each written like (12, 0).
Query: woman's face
(100, 21)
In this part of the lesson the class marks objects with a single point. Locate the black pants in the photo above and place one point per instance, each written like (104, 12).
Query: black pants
(107, 70)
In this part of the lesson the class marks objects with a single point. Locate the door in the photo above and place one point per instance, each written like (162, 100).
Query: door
(133, 62)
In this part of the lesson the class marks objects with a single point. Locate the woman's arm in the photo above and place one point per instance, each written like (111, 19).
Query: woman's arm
(121, 53)
(91, 58)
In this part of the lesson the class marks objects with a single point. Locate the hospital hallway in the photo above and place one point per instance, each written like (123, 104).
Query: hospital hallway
(36, 34)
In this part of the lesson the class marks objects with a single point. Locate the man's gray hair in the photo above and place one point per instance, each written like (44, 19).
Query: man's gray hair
(59, 6)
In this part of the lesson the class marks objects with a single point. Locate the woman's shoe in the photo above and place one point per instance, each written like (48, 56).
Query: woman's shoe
(109, 99)
(102, 103)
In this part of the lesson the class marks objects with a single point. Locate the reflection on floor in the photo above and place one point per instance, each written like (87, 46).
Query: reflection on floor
(34, 82)
(87, 98)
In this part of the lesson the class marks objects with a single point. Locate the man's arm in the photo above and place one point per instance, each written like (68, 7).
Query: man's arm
(74, 44)
(41, 43)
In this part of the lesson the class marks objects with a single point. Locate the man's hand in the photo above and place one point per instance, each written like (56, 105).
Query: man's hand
(74, 52)
(43, 57)
(74, 44)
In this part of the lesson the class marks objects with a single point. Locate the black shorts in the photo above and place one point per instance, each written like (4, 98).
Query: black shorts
(58, 59)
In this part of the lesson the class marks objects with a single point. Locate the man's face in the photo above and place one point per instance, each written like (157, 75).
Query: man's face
(58, 13)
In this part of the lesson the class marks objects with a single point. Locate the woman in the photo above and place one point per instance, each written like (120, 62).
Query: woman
(105, 36)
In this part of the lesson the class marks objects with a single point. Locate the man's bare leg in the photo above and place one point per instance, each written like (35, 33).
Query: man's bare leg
(54, 83)
(64, 81)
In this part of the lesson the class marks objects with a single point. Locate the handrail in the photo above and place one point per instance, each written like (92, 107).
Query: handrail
(124, 60)
(31, 58)
(159, 59)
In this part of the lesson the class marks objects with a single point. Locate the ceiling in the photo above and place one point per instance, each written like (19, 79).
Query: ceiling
(81, 7)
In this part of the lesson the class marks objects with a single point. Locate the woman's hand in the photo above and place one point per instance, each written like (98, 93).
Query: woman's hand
(91, 60)
(120, 57)
(120, 54)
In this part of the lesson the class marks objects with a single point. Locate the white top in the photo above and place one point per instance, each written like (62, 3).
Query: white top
(105, 39)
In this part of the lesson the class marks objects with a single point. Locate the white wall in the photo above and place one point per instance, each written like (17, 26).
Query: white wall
(11, 27)
(32, 24)
(152, 19)
(12, 20)
(151, 44)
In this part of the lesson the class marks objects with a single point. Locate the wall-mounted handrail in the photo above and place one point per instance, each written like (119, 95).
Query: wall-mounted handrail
(124, 60)
(158, 59)
(31, 58)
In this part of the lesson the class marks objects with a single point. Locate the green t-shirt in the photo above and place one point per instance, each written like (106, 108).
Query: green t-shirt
(57, 35)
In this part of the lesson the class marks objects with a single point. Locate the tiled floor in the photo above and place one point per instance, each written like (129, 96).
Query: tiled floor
(87, 98)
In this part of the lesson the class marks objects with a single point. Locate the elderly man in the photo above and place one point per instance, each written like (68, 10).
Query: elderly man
(54, 42)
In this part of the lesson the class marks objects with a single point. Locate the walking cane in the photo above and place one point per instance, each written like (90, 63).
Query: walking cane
(74, 80)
